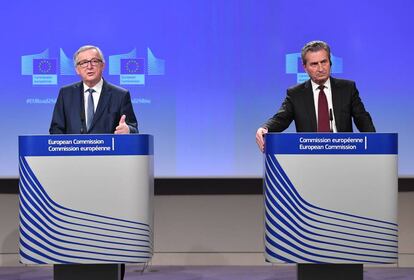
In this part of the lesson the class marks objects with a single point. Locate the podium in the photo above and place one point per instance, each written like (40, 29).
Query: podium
(86, 199)
(331, 202)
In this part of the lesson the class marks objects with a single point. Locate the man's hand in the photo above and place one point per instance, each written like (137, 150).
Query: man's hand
(122, 127)
(260, 139)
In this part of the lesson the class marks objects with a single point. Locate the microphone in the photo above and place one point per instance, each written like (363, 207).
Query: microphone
(82, 130)
(330, 120)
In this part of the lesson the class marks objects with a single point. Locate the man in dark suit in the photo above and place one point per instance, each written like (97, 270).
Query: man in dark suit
(92, 105)
(321, 104)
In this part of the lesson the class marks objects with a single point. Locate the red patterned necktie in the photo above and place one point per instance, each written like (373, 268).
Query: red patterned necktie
(323, 112)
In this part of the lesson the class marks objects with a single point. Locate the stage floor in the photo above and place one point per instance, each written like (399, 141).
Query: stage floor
(205, 273)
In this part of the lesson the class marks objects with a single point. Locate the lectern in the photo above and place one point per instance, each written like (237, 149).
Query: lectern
(331, 202)
(86, 199)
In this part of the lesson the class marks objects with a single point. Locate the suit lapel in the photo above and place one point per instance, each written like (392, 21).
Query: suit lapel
(336, 103)
(79, 106)
(102, 103)
(310, 105)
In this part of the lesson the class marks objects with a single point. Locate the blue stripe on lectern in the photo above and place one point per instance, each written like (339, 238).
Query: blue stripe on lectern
(26, 257)
(86, 145)
(49, 244)
(305, 248)
(331, 143)
(42, 219)
(295, 219)
(47, 237)
(301, 233)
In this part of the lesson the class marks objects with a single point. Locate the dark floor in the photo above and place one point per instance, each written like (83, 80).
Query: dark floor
(205, 273)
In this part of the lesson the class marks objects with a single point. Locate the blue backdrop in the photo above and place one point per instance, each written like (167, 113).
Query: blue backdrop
(214, 71)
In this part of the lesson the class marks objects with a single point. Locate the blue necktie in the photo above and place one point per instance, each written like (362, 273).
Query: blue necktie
(90, 110)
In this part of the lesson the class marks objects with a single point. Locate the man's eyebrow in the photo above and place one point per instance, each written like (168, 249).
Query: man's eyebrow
(316, 62)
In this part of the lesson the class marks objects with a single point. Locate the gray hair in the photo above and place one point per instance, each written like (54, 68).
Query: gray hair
(85, 48)
(315, 46)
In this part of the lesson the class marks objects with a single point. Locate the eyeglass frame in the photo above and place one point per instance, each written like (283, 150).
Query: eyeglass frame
(93, 62)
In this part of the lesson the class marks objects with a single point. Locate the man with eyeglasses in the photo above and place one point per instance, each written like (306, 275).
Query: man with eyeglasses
(93, 105)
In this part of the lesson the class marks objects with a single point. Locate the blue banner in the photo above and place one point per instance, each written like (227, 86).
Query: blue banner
(331, 143)
(86, 145)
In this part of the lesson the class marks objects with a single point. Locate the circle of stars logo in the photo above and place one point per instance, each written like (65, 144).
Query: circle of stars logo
(132, 66)
(44, 66)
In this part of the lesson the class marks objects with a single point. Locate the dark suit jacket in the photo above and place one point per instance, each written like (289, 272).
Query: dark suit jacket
(69, 113)
(300, 107)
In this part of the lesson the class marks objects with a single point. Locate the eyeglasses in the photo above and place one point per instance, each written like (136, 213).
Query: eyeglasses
(93, 62)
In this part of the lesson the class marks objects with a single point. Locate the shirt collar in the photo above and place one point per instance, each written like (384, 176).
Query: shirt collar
(327, 84)
(97, 87)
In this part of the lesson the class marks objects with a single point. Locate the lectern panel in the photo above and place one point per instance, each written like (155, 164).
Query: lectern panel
(331, 198)
(86, 199)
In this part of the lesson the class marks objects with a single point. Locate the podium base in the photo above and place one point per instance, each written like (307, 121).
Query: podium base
(87, 271)
(307, 271)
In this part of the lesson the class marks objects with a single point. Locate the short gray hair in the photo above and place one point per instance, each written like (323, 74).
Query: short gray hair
(85, 48)
(315, 46)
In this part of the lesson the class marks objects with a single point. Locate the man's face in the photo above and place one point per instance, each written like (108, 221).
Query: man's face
(89, 67)
(318, 66)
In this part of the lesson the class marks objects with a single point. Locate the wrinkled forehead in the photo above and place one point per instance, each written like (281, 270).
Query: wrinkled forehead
(316, 56)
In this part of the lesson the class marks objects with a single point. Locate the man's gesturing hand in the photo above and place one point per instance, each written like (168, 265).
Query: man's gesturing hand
(122, 127)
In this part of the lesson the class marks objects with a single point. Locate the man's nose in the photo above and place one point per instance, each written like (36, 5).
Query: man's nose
(320, 66)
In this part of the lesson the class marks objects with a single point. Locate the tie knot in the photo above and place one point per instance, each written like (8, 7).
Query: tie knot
(90, 90)
(321, 87)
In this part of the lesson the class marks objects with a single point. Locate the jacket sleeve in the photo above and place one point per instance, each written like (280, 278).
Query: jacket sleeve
(128, 111)
(58, 123)
(283, 118)
(362, 118)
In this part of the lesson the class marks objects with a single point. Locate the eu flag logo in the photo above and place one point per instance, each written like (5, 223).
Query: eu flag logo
(132, 66)
(44, 66)
(44, 71)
